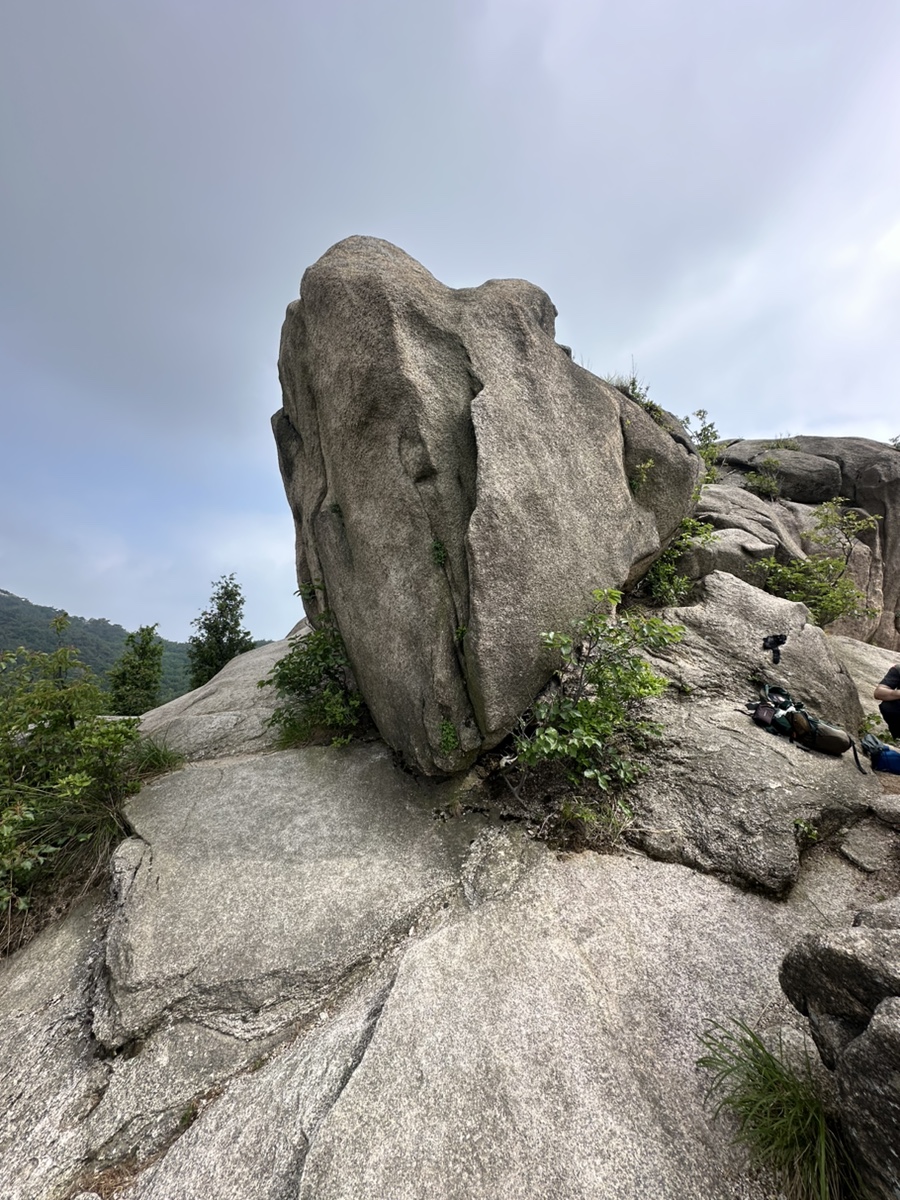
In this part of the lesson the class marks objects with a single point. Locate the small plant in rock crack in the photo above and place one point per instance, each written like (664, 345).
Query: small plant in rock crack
(781, 1116)
(805, 833)
(438, 552)
(638, 481)
(635, 389)
(764, 482)
(664, 585)
(706, 438)
(449, 739)
(313, 683)
(591, 725)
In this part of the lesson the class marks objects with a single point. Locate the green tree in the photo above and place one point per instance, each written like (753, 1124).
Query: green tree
(135, 678)
(219, 635)
(62, 774)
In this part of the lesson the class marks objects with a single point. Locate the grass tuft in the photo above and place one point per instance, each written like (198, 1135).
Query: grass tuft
(781, 1116)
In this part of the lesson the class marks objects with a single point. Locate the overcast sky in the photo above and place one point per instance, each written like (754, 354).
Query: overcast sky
(710, 188)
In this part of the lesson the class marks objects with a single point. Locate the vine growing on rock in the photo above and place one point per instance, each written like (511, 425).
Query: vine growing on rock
(580, 747)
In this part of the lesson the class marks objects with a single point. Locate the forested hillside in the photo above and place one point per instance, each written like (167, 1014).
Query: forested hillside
(98, 640)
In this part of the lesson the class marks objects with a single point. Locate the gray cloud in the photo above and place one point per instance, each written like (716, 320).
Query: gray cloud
(710, 188)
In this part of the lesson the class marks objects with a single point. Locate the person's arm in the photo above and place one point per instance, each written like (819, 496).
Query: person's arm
(886, 693)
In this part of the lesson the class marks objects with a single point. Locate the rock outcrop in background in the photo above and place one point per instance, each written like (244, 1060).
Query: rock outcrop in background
(459, 486)
(866, 473)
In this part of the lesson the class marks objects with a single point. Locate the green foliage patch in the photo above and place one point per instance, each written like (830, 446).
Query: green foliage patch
(663, 585)
(449, 740)
(65, 771)
(780, 1113)
(638, 481)
(764, 482)
(313, 683)
(592, 726)
(820, 581)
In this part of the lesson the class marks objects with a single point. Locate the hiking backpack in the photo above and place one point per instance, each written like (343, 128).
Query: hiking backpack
(779, 713)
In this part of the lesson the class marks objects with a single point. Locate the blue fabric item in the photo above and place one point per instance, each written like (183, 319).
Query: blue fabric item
(887, 760)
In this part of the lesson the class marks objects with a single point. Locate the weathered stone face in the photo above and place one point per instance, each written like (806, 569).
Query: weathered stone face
(459, 486)
(848, 984)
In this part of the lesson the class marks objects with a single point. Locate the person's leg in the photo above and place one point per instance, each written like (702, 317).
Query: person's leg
(892, 720)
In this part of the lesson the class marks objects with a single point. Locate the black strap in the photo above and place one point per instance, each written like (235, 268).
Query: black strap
(859, 766)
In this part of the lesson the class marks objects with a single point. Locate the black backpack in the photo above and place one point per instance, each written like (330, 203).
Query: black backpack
(778, 712)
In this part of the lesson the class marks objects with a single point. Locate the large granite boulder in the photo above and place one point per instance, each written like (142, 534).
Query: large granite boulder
(459, 485)
(809, 470)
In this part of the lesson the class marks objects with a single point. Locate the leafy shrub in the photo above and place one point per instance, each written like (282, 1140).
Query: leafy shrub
(663, 586)
(219, 635)
(781, 1117)
(764, 482)
(706, 438)
(135, 678)
(820, 581)
(65, 771)
(313, 686)
(592, 725)
(874, 723)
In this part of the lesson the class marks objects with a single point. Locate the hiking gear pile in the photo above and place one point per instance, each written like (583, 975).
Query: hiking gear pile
(779, 713)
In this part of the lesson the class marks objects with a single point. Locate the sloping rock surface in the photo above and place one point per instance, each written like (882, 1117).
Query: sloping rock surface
(311, 980)
(867, 665)
(228, 715)
(722, 794)
(458, 486)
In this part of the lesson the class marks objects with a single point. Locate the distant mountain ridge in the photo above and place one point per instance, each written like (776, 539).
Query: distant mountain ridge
(99, 641)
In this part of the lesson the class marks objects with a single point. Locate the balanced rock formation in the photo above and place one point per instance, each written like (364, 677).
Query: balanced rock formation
(459, 486)
(808, 471)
